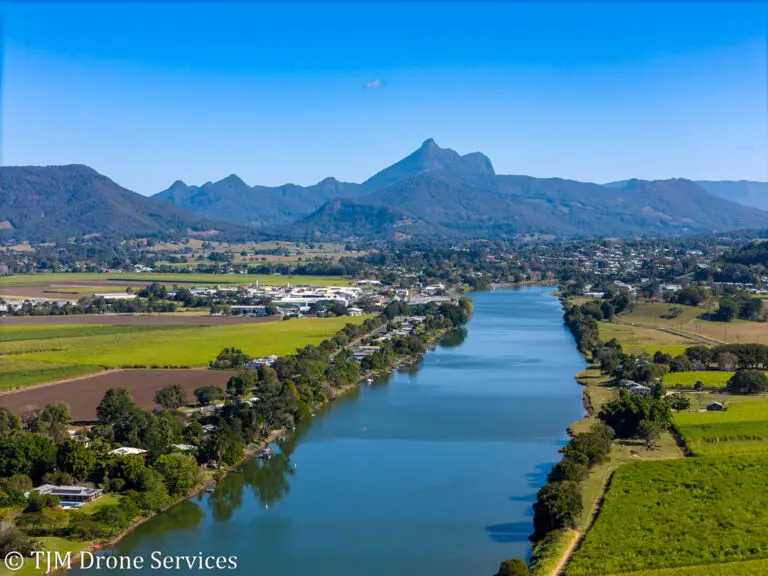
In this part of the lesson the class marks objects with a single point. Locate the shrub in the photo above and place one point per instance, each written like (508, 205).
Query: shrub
(558, 505)
(747, 382)
(513, 567)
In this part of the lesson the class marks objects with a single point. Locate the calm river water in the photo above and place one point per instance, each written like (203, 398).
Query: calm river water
(431, 471)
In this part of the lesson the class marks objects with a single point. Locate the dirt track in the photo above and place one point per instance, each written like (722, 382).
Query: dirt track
(84, 394)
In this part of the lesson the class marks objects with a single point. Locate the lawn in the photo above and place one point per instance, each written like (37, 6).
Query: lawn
(682, 512)
(18, 372)
(196, 278)
(52, 544)
(741, 429)
(712, 379)
(188, 346)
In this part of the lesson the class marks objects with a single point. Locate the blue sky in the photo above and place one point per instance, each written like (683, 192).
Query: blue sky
(149, 93)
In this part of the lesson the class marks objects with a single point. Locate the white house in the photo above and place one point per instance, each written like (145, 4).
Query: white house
(126, 451)
(715, 406)
(639, 389)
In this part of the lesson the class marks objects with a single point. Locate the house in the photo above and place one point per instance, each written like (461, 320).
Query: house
(639, 389)
(70, 496)
(715, 406)
(355, 311)
(627, 383)
(184, 447)
(126, 451)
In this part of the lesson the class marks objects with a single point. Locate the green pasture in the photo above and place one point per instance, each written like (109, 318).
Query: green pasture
(186, 346)
(748, 568)
(741, 429)
(712, 379)
(149, 277)
(674, 513)
(16, 372)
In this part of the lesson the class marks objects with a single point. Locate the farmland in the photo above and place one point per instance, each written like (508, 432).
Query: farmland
(83, 395)
(37, 354)
(87, 279)
(185, 346)
(18, 372)
(692, 320)
(712, 379)
(635, 337)
(748, 568)
(682, 512)
(741, 429)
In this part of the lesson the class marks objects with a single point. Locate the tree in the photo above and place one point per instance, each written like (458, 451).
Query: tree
(180, 472)
(752, 309)
(625, 414)
(29, 454)
(513, 567)
(701, 354)
(230, 359)
(10, 423)
(679, 401)
(728, 308)
(650, 431)
(727, 361)
(699, 386)
(76, 458)
(208, 394)
(558, 505)
(55, 517)
(116, 406)
(747, 382)
(171, 397)
(52, 421)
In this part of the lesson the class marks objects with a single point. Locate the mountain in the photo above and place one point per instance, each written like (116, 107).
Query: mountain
(509, 205)
(744, 192)
(437, 191)
(233, 200)
(58, 202)
(754, 194)
(430, 158)
(342, 218)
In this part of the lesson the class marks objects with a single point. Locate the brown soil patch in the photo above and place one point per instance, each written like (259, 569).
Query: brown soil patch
(84, 394)
(133, 320)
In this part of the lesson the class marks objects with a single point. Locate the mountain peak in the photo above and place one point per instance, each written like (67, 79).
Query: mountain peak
(429, 143)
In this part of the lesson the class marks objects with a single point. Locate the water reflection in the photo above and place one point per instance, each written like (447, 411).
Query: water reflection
(454, 338)
(268, 479)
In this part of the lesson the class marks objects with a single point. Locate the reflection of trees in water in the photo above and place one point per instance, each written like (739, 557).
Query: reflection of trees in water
(268, 479)
(184, 516)
(454, 338)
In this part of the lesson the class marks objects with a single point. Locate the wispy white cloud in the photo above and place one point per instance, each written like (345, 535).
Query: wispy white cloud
(374, 84)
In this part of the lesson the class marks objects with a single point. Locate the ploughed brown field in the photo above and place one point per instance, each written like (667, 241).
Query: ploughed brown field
(158, 319)
(84, 394)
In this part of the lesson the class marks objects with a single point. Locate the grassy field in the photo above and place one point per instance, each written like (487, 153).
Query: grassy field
(193, 278)
(749, 568)
(186, 346)
(640, 337)
(676, 513)
(652, 313)
(691, 320)
(18, 372)
(712, 379)
(741, 429)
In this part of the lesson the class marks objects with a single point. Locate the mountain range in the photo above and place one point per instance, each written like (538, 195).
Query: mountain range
(438, 192)
(51, 203)
(432, 193)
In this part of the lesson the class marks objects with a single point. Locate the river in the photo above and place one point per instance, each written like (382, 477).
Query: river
(430, 471)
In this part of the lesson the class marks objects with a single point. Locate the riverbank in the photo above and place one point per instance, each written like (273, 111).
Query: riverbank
(551, 555)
